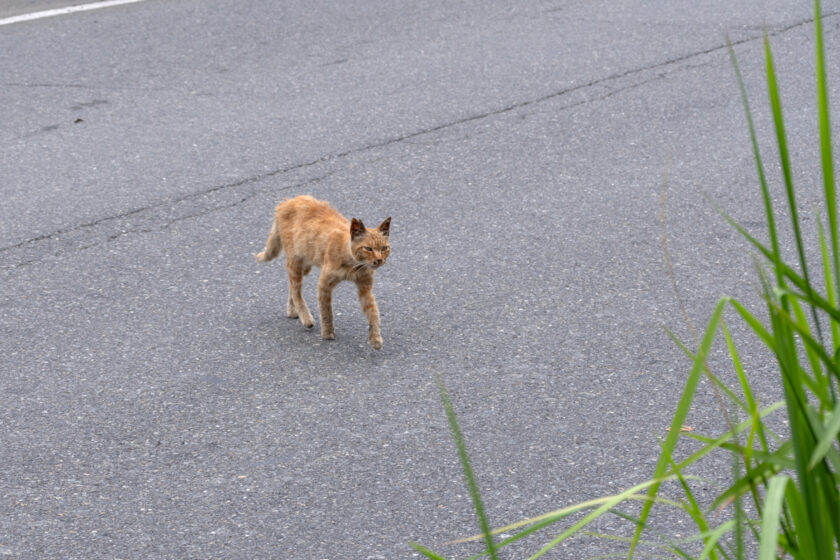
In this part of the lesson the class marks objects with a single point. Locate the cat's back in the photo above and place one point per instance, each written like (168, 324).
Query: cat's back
(304, 216)
(305, 208)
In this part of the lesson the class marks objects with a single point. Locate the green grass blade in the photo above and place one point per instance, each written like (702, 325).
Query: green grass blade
(747, 481)
(692, 507)
(669, 544)
(557, 515)
(787, 173)
(828, 437)
(780, 457)
(425, 551)
(723, 439)
(825, 141)
(814, 538)
(832, 455)
(740, 516)
(617, 538)
(465, 464)
(830, 288)
(770, 520)
(804, 528)
(680, 415)
(749, 400)
(752, 404)
(546, 522)
(712, 538)
(814, 298)
(811, 345)
(522, 534)
(814, 351)
(606, 507)
(720, 384)
(765, 191)
(621, 554)
(755, 325)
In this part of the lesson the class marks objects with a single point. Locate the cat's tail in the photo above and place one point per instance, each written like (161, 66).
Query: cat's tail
(273, 246)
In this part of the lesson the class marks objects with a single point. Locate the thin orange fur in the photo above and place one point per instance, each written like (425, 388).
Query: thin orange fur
(312, 233)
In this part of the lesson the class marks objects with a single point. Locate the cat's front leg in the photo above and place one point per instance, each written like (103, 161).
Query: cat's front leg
(370, 310)
(325, 289)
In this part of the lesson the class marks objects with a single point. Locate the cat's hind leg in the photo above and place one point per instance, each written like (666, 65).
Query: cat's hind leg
(326, 283)
(296, 273)
(291, 310)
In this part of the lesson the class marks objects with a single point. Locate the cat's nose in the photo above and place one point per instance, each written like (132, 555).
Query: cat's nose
(377, 262)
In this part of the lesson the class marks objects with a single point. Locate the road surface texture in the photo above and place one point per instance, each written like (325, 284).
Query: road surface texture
(156, 403)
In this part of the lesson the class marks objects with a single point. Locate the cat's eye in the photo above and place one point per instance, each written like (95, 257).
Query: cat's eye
(385, 248)
(368, 249)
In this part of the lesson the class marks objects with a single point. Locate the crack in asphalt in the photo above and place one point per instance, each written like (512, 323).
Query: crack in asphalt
(160, 226)
(169, 202)
(215, 208)
(380, 144)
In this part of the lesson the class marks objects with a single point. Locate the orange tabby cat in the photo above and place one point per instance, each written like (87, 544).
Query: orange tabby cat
(311, 232)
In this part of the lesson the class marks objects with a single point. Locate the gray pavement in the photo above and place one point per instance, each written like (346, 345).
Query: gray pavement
(9, 8)
(156, 403)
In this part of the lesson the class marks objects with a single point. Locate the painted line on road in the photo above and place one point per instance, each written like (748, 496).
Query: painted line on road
(67, 10)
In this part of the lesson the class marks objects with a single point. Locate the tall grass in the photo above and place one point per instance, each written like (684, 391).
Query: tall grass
(790, 481)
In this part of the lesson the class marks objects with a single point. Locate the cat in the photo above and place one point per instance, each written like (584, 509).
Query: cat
(312, 233)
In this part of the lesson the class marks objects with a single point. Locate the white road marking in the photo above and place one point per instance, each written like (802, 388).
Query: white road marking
(67, 10)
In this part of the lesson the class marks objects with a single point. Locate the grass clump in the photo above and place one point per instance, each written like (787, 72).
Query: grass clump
(791, 482)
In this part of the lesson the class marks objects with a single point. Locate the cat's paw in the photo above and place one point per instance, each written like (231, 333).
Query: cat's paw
(308, 322)
(328, 335)
(375, 342)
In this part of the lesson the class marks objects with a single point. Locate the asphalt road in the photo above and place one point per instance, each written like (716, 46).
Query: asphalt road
(156, 403)
(9, 8)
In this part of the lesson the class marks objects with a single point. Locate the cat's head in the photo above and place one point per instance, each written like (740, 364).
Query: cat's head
(370, 247)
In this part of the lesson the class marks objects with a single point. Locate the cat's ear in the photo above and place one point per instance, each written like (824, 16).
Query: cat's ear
(385, 226)
(357, 228)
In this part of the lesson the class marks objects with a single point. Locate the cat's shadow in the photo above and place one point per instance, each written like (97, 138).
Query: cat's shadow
(282, 338)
